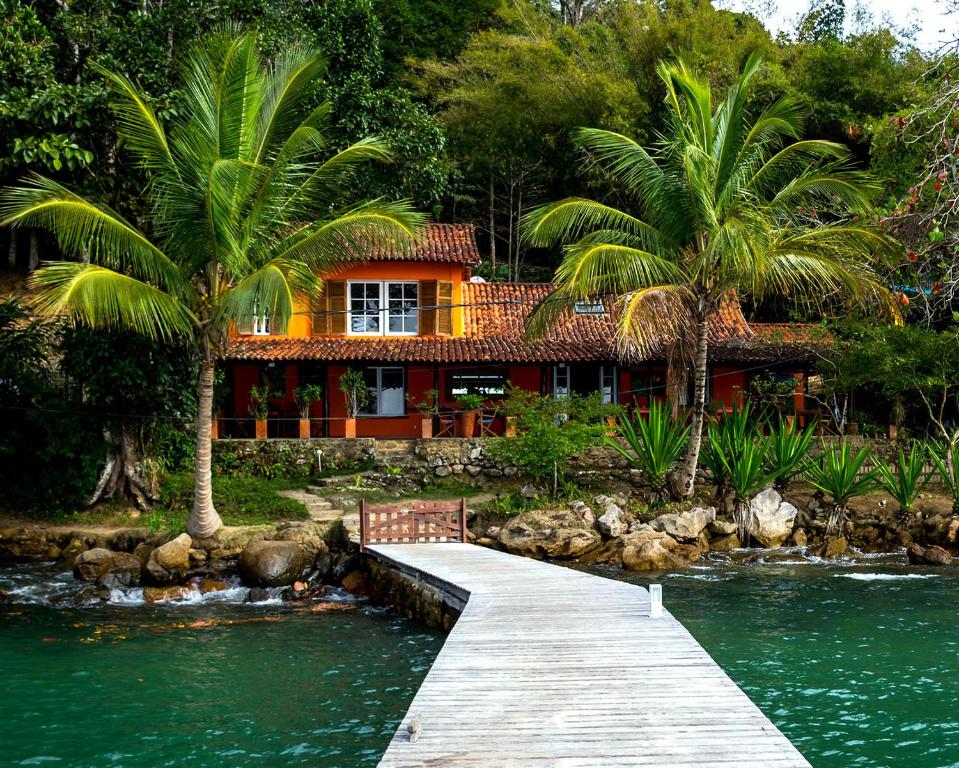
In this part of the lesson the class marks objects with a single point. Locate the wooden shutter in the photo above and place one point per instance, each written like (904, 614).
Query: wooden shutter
(320, 307)
(444, 311)
(336, 295)
(427, 302)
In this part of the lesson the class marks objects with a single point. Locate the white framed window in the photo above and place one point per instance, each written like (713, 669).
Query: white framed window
(402, 301)
(387, 392)
(607, 383)
(261, 323)
(560, 381)
(383, 307)
(366, 309)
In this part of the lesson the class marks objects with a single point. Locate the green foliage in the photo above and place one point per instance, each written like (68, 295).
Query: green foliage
(355, 392)
(260, 395)
(906, 478)
(428, 404)
(747, 470)
(899, 363)
(471, 401)
(945, 457)
(725, 432)
(655, 442)
(842, 475)
(549, 432)
(305, 396)
(239, 500)
(787, 450)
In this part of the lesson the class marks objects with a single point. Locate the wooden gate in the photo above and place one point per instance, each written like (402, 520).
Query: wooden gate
(418, 521)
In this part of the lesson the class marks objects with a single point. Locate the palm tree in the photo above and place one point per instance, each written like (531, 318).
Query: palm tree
(245, 212)
(715, 206)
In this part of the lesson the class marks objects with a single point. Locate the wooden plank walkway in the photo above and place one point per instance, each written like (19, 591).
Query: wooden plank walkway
(548, 666)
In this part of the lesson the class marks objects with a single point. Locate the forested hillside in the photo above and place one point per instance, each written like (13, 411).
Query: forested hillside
(477, 97)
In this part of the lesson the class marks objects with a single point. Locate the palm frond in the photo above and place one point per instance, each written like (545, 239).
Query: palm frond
(654, 318)
(573, 217)
(101, 298)
(83, 228)
(138, 125)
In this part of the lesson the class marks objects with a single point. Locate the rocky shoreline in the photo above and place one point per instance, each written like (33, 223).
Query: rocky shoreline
(299, 560)
(302, 558)
(609, 533)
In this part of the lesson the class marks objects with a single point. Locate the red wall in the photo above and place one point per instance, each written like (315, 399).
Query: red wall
(727, 385)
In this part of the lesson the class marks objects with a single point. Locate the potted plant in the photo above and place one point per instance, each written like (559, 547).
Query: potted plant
(355, 396)
(470, 405)
(259, 408)
(428, 406)
(304, 397)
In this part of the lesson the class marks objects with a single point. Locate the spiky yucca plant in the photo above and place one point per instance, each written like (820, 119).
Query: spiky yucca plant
(247, 206)
(654, 443)
(842, 475)
(905, 479)
(716, 205)
(946, 458)
(788, 450)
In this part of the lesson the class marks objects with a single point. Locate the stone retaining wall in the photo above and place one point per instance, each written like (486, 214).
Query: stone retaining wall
(441, 457)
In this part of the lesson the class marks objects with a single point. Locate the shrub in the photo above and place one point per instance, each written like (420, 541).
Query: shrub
(355, 392)
(548, 433)
(305, 396)
(841, 475)
(655, 444)
(906, 478)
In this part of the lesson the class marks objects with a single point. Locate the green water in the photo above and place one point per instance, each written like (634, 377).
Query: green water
(858, 664)
(208, 684)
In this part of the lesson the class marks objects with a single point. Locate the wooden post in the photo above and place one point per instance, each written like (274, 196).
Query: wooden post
(362, 524)
(655, 601)
(463, 537)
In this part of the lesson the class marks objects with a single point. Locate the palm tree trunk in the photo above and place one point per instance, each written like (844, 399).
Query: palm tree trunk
(204, 521)
(684, 481)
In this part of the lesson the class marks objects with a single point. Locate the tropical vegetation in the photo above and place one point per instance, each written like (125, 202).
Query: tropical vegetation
(725, 202)
(246, 208)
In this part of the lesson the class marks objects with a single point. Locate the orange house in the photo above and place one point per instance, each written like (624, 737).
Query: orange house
(417, 321)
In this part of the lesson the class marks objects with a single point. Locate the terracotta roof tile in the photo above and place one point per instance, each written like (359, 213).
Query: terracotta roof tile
(446, 243)
(494, 320)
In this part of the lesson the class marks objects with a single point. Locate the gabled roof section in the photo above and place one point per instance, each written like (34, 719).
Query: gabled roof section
(443, 243)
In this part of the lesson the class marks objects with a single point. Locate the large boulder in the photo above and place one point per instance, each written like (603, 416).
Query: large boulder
(685, 526)
(650, 550)
(721, 528)
(165, 594)
(927, 555)
(92, 564)
(307, 535)
(124, 572)
(560, 534)
(834, 546)
(613, 522)
(272, 563)
(171, 560)
(771, 519)
(725, 543)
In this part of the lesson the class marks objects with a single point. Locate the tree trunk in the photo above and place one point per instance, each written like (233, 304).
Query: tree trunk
(122, 475)
(492, 226)
(12, 253)
(34, 251)
(684, 481)
(204, 521)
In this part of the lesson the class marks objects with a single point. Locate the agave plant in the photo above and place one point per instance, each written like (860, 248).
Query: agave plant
(745, 465)
(905, 479)
(842, 475)
(946, 458)
(655, 445)
(724, 434)
(788, 449)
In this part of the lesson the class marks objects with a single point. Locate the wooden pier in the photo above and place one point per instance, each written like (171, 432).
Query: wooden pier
(548, 666)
